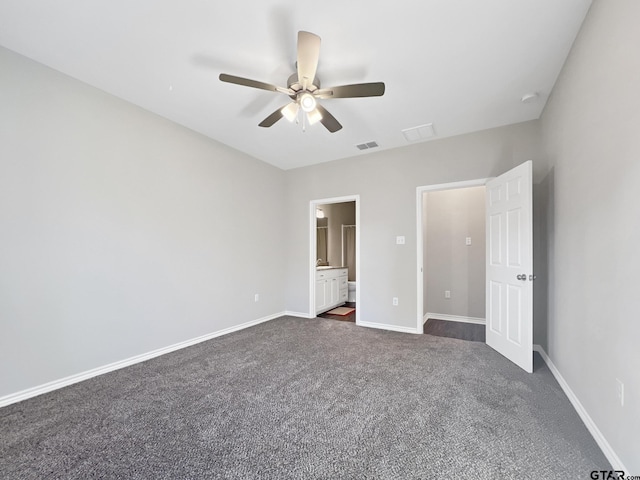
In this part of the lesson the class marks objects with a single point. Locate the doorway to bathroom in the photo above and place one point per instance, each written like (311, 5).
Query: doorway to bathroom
(334, 258)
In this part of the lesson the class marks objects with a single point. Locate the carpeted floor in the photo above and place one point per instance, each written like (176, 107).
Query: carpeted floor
(295, 398)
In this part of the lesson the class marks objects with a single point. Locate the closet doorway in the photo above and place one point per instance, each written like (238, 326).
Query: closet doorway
(508, 262)
(452, 252)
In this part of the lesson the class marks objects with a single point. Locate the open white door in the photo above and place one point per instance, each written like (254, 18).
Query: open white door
(509, 307)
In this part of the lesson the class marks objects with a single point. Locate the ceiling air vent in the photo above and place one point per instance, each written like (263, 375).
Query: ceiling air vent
(421, 132)
(366, 146)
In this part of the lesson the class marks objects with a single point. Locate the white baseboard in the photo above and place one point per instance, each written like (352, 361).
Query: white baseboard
(298, 314)
(384, 326)
(614, 460)
(453, 318)
(79, 377)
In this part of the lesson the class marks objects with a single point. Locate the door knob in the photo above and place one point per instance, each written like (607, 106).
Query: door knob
(532, 277)
(521, 277)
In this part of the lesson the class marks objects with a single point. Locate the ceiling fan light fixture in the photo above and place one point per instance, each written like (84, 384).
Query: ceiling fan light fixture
(307, 102)
(314, 116)
(303, 87)
(290, 111)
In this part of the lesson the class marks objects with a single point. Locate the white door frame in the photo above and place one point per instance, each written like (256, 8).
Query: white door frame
(313, 204)
(420, 243)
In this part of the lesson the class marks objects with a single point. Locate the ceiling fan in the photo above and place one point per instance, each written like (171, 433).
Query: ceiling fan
(303, 87)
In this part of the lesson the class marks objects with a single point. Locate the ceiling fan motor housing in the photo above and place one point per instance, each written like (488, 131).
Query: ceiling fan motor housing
(294, 85)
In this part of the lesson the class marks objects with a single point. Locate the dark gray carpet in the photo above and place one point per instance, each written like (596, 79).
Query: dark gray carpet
(295, 398)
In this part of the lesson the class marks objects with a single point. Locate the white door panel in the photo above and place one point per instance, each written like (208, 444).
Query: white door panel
(509, 328)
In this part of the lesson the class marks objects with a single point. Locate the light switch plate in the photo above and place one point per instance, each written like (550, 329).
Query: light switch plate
(400, 240)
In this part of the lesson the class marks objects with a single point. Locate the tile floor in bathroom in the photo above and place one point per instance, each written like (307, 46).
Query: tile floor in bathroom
(343, 318)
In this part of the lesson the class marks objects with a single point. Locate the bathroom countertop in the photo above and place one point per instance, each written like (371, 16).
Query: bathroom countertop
(321, 268)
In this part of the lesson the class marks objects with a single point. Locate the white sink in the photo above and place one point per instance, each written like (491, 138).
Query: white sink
(327, 267)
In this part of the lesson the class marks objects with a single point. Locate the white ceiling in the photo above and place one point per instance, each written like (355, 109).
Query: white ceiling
(462, 65)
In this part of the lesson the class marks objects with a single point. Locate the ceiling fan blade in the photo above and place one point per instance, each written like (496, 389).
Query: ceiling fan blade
(352, 91)
(273, 118)
(308, 54)
(328, 120)
(247, 82)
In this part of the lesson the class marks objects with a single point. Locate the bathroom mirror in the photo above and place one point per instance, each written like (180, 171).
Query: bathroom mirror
(322, 230)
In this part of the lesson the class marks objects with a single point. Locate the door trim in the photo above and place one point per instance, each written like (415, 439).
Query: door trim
(420, 240)
(313, 204)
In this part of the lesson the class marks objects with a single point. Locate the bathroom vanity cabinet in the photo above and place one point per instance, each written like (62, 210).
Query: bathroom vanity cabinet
(331, 288)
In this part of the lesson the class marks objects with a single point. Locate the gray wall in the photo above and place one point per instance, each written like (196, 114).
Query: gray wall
(450, 217)
(121, 232)
(386, 182)
(590, 130)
